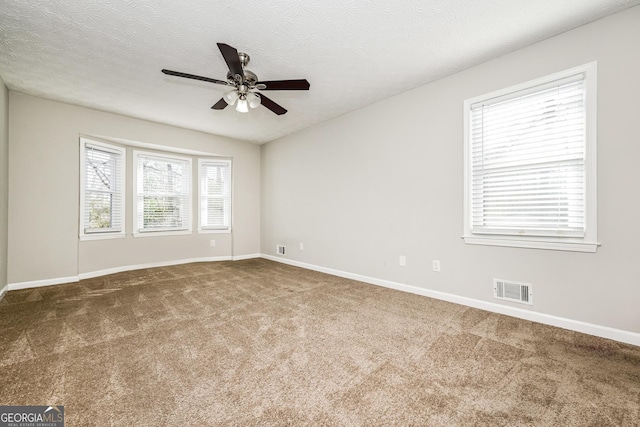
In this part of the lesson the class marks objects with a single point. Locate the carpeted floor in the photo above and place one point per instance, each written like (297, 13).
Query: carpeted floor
(260, 343)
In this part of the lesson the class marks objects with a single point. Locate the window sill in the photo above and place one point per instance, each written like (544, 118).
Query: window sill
(161, 233)
(205, 231)
(533, 244)
(102, 236)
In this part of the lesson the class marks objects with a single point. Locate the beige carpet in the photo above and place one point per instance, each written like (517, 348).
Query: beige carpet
(260, 343)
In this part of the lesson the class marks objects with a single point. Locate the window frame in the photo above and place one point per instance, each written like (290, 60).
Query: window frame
(587, 243)
(98, 234)
(137, 232)
(210, 230)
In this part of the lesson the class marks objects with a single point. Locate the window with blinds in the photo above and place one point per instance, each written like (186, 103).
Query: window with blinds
(163, 193)
(102, 190)
(215, 195)
(530, 161)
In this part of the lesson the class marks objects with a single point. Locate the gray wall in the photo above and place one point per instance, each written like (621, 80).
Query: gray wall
(44, 193)
(4, 167)
(387, 180)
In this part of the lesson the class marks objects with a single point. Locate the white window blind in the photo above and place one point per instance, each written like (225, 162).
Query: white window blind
(215, 194)
(102, 192)
(528, 161)
(163, 192)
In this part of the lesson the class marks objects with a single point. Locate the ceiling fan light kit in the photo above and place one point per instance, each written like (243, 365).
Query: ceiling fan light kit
(245, 84)
(243, 98)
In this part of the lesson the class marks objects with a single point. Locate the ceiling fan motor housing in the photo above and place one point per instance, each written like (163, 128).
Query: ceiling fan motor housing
(250, 78)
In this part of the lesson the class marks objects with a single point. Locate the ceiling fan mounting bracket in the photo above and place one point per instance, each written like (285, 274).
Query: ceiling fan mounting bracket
(244, 58)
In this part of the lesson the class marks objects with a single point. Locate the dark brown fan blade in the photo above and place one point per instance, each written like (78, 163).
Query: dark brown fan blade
(272, 105)
(230, 55)
(301, 84)
(191, 76)
(220, 105)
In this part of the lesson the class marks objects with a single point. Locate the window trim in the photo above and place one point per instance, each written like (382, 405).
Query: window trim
(164, 232)
(201, 230)
(107, 234)
(589, 242)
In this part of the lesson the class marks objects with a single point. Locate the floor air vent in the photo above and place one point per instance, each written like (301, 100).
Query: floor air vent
(513, 291)
(280, 249)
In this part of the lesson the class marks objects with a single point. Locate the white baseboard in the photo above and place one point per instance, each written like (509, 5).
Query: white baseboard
(98, 273)
(3, 291)
(547, 319)
(243, 257)
(41, 283)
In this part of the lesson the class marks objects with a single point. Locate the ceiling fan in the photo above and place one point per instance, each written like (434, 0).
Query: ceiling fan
(245, 84)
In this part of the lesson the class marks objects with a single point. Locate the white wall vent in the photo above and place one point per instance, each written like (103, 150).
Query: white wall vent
(513, 291)
(280, 249)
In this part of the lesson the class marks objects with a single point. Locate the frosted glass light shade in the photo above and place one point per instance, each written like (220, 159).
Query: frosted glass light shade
(243, 106)
(253, 99)
(230, 97)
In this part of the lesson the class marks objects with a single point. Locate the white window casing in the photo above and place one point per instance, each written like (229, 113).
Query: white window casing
(214, 196)
(102, 190)
(162, 194)
(530, 164)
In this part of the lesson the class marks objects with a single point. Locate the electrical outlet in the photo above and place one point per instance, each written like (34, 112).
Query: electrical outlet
(403, 260)
(301, 246)
(212, 243)
(436, 265)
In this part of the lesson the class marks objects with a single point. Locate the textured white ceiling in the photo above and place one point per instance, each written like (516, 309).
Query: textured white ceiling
(107, 54)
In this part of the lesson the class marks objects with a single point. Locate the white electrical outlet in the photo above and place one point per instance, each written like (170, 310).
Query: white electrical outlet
(301, 246)
(212, 243)
(403, 260)
(436, 265)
